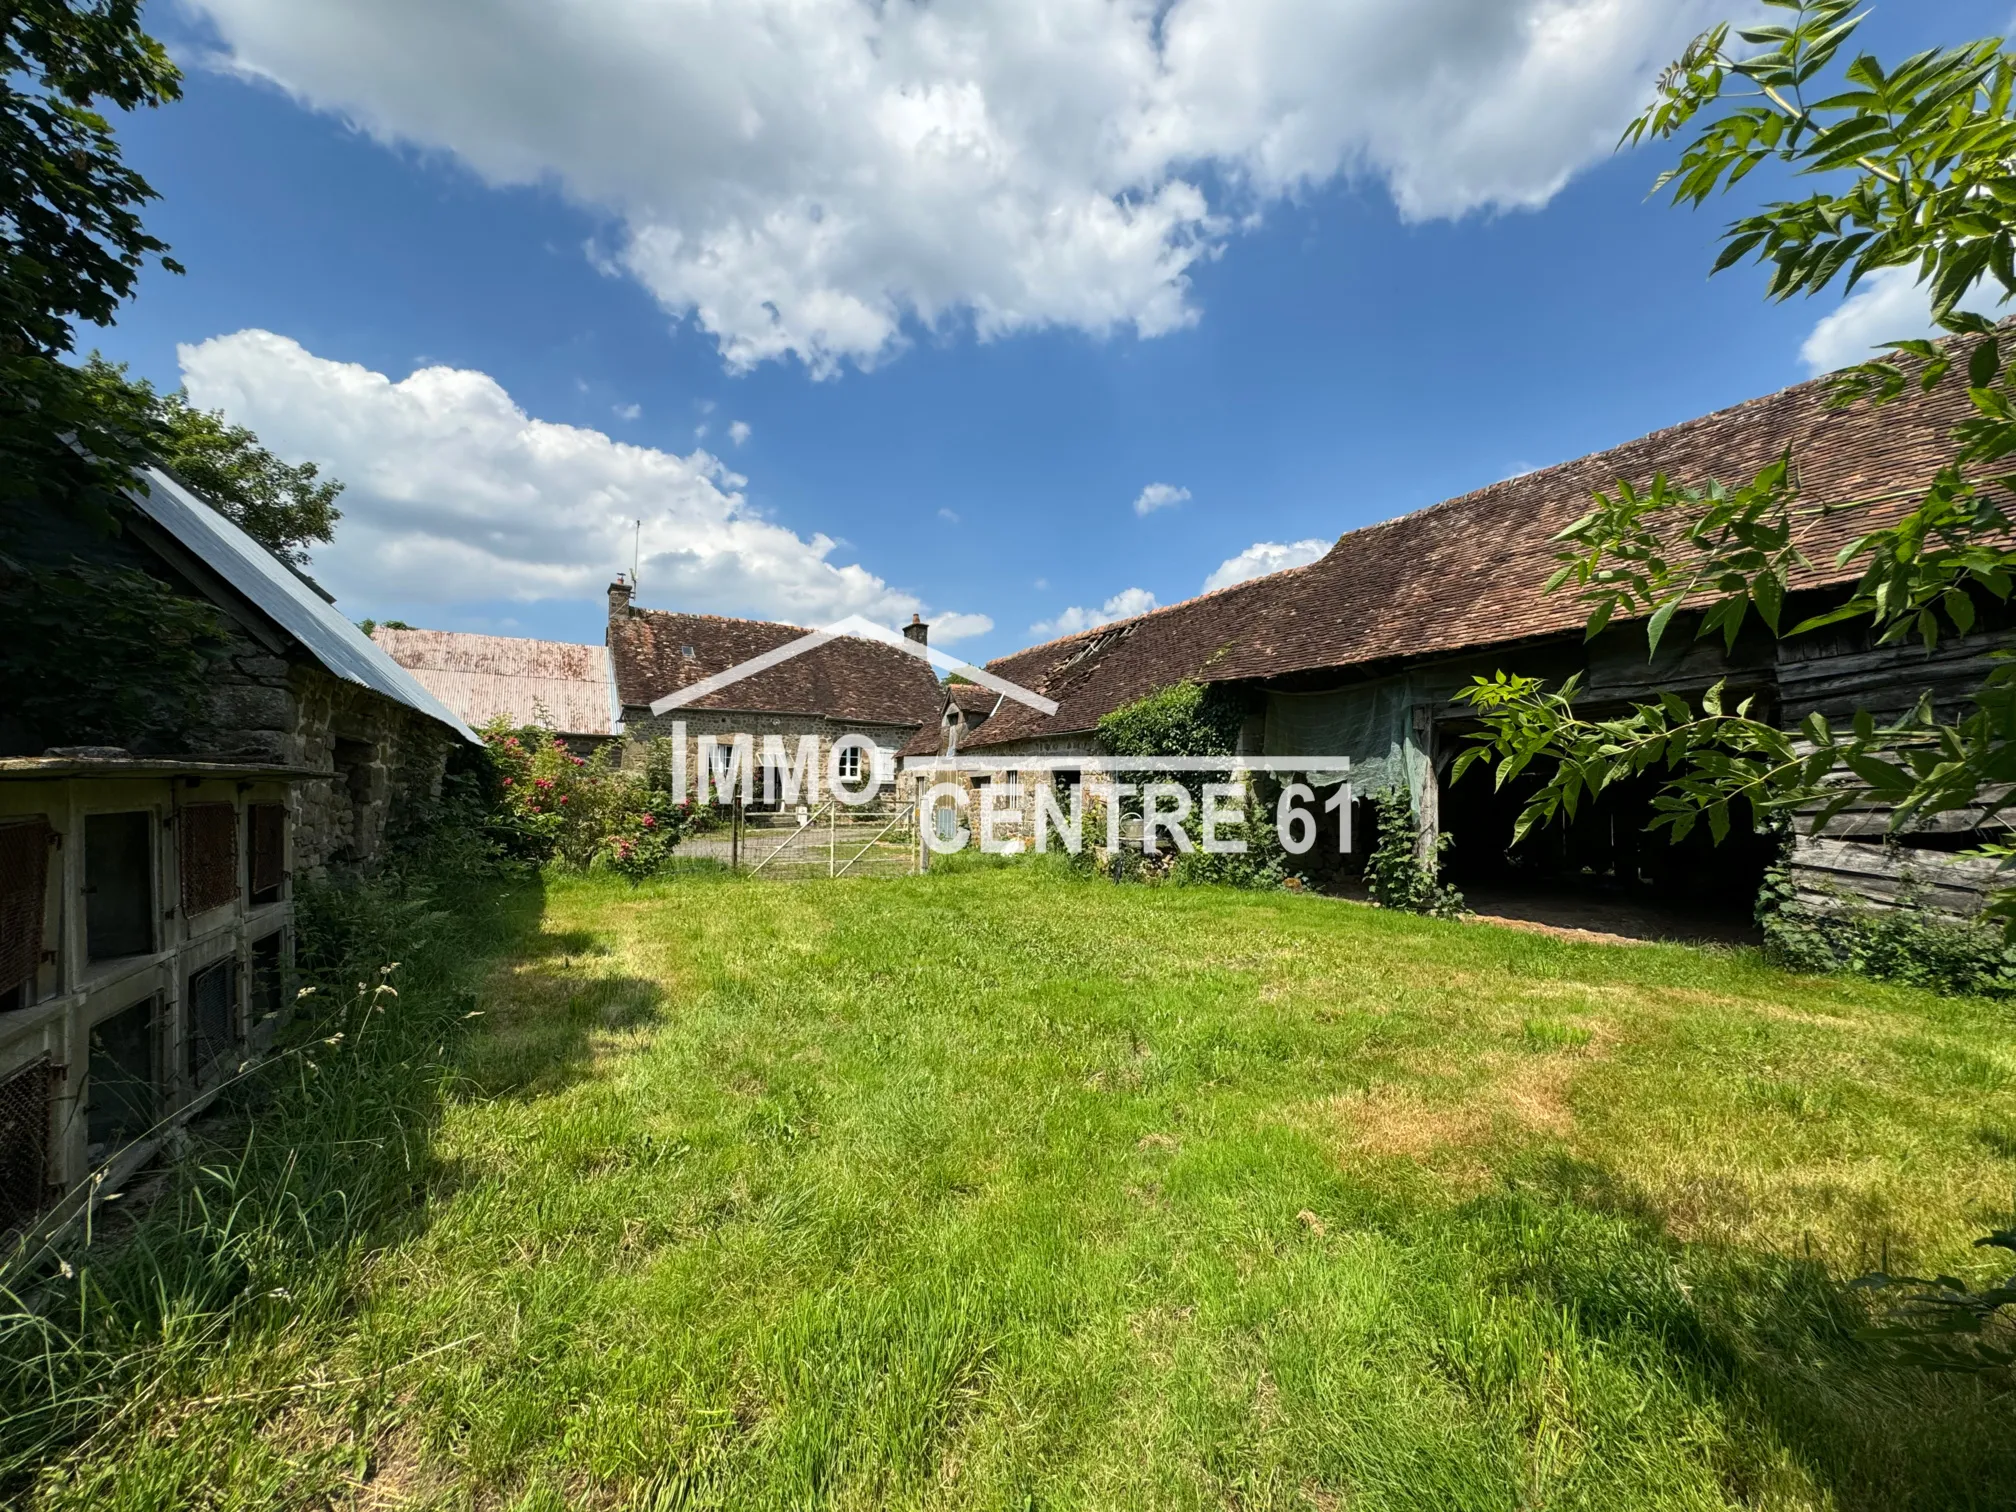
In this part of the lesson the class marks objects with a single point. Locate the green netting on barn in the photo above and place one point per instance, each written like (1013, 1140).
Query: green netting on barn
(1372, 724)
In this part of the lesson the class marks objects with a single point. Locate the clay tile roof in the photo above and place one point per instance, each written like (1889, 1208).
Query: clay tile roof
(846, 679)
(1096, 671)
(563, 685)
(972, 700)
(1468, 573)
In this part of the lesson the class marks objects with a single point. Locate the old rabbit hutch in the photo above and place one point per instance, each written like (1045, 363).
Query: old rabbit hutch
(143, 943)
(146, 899)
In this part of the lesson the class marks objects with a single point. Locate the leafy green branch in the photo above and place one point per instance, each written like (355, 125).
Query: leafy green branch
(1714, 760)
(1916, 167)
(1926, 148)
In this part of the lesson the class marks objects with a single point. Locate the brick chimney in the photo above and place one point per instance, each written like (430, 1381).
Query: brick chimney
(916, 630)
(619, 597)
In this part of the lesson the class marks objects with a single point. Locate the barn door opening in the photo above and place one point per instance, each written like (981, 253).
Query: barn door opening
(1603, 864)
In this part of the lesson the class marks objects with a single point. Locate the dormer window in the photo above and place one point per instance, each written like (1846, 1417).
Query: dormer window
(687, 652)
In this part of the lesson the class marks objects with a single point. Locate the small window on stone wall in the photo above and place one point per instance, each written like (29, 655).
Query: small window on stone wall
(24, 888)
(118, 885)
(353, 775)
(353, 766)
(266, 832)
(208, 834)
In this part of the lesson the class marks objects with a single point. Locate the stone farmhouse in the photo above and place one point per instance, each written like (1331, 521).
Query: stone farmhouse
(1362, 653)
(848, 686)
(146, 898)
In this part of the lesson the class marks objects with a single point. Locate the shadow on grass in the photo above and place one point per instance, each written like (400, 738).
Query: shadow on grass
(1777, 1342)
(543, 1038)
(327, 1153)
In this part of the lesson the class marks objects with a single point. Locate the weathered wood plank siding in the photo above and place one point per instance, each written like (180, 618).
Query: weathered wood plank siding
(1856, 858)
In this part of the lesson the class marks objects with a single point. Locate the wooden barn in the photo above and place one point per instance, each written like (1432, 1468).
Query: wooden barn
(1363, 652)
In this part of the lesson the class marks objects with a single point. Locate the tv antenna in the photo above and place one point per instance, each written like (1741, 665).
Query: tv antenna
(636, 548)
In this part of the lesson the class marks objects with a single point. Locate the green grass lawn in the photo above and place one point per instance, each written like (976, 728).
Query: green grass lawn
(1006, 1189)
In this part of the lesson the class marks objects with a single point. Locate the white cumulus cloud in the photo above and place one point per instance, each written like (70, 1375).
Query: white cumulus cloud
(811, 178)
(1889, 305)
(948, 628)
(455, 495)
(1125, 604)
(739, 432)
(628, 411)
(1159, 496)
(1263, 557)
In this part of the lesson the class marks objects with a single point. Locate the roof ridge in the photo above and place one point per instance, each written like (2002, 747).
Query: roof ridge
(721, 619)
(1148, 614)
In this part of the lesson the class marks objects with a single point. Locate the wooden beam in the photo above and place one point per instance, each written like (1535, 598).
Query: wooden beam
(1428, 804)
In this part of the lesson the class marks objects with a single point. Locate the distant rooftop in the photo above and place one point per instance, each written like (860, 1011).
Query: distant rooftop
(849, 678)
(555, 683)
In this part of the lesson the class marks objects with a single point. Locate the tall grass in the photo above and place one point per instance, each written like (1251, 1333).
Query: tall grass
(999, 1188)
(252, 1245)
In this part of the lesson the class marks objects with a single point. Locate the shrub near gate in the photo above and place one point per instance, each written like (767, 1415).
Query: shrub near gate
(580, 811)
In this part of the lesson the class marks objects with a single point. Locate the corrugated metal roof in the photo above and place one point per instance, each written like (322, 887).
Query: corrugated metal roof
(286, 598)
(558, 683)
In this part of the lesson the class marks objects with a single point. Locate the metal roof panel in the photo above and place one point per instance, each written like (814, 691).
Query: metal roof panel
(286, 598)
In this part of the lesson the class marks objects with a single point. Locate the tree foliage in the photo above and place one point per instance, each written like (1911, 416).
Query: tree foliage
(285, 507)
(71, 249)
(71, 241)
(1915, 166)
(100, 655)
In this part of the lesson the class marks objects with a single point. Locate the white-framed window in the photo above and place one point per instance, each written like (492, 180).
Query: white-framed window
(850, 763)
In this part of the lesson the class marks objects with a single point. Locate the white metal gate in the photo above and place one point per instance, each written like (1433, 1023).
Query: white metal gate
(830, 840)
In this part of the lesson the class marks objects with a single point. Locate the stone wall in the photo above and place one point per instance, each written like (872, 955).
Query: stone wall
(384, 760)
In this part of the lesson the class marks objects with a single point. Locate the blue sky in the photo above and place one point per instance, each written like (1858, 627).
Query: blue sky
(1398, 308)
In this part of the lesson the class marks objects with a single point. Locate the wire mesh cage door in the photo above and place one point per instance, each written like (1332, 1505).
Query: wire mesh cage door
(209, 844)
(27, 1096)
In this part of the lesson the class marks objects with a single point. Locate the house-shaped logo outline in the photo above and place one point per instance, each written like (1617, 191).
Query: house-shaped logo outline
(863, 629)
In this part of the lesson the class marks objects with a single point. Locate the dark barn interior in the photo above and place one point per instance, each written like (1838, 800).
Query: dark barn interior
(1604, 867)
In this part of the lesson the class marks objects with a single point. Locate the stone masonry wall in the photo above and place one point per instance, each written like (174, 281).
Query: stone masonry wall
(383, 759)
(642, 726)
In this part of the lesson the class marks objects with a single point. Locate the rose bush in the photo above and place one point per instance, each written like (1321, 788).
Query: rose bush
(580, 811)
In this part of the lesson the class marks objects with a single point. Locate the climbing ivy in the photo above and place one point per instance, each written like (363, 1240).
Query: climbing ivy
(98, 655)
(1395, 874)
(1184, 719)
